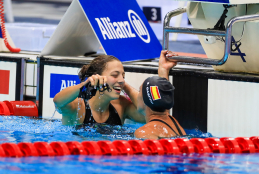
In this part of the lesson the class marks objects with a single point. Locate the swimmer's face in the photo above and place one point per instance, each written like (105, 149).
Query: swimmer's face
(141, 105)
(115, 74)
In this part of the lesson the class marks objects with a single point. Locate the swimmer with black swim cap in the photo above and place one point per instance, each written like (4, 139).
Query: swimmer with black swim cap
(155, 98)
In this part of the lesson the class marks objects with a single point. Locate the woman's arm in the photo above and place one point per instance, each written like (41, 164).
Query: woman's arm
(132, 93)
(64, 99)
(130, 111)
(67, 104)
(66, 96)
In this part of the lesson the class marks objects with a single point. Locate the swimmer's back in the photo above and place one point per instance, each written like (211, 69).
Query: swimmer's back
(156, 128)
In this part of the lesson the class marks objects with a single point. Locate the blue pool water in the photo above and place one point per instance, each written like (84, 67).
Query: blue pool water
(21, 129)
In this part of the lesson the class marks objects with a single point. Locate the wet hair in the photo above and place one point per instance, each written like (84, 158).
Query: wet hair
(97, 66)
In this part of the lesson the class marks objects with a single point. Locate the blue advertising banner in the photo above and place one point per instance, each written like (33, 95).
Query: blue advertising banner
(122, 29)
(58, 82)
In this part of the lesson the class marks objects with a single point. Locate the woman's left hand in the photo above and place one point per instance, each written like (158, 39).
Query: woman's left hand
(165, 64)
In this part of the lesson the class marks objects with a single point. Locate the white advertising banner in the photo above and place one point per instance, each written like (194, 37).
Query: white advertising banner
(7, 80)
(233, 108)
(56, 78)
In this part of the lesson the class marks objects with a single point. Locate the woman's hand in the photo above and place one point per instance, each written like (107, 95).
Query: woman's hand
(165, 65)
(95, 79)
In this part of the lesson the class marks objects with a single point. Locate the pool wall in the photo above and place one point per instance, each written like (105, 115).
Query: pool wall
(224, 104)
(12, 72)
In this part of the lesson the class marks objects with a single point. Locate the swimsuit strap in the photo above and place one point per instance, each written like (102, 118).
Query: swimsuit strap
(176, 125)
(88, 115)
(113, 119)
(165, 124)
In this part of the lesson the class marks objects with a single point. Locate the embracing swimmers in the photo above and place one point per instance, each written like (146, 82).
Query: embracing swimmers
(108, 106)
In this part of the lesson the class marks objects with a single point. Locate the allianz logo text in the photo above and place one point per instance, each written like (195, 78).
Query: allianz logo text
(24, 106)
(67, 83)
(122, 29)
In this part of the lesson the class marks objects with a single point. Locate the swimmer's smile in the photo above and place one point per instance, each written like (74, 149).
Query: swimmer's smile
(117, 89)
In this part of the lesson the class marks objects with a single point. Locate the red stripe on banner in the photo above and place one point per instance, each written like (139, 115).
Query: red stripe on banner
(4, 81)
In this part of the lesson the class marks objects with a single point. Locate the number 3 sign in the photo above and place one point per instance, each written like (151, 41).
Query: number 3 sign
(153, 14)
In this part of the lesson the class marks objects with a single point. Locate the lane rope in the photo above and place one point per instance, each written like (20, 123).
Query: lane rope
(133, 147)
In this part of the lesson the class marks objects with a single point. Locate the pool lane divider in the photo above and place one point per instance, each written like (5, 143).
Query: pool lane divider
(133, 147)
(18, 108)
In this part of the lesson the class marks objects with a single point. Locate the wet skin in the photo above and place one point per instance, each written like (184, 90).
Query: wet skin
(155, 129)
(74, 112)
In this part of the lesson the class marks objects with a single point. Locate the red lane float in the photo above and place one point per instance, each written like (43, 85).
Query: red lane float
(4, 110)
(246, 145)
(76, 148)
(92, 148)
(184, 145)
(60, 148)
(231, 145)
(2, 152)
(28, 149)
(123, 147)
(255, 140)
(18, 108)
(107, 148)
(11, 150)
(170, 146)
(133, 147)
(22, 108)
(215, 145)
(44, 149)
(200, 145)
(139, 147)
(154, 147)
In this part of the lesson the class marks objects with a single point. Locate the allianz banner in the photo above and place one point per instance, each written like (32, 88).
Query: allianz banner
(58, 82)
(122, 29)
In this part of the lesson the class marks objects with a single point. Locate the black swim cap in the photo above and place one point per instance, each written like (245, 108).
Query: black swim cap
(158, 93)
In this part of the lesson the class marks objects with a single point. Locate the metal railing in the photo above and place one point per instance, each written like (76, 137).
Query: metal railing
(227, 34)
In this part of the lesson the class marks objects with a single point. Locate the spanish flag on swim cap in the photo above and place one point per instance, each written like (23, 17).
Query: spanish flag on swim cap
(158, 93)
(155, 92)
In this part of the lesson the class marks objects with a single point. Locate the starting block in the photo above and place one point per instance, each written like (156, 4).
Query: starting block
(227, 30)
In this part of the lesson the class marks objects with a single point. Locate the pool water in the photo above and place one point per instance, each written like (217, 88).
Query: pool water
(25, 129)
(194, 163)
(22, 129)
